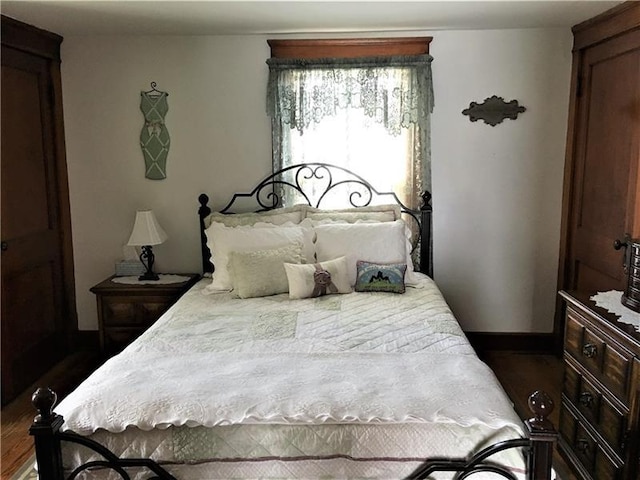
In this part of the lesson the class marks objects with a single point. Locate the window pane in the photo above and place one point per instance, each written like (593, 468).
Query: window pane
(352, 140)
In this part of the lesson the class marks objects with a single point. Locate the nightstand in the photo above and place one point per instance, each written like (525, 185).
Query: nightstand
(127, 310)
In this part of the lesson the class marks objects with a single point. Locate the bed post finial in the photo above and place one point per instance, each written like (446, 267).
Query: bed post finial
(542, 435)
(44, 400)
(45, 428)
(426, 200)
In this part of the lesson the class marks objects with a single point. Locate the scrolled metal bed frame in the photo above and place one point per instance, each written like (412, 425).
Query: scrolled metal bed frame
(270, 193)
(276, 190)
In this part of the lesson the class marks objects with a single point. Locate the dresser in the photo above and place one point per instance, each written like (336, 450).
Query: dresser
(126, 310)
(600, 411)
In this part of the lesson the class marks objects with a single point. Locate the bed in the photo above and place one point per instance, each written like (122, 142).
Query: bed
(273, 367)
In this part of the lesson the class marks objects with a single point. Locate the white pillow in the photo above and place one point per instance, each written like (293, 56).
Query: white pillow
(302, 284)
(261, 272)
(222, 240)
(352, 217)
(382, 242)
(277, 216)
(384, 213)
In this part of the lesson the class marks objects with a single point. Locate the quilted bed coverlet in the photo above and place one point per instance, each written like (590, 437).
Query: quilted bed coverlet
(356, 362)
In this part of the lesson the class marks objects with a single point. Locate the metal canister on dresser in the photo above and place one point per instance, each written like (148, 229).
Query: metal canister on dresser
(631, 295)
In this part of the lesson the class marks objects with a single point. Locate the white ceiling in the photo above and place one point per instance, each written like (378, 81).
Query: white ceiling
(212, 17)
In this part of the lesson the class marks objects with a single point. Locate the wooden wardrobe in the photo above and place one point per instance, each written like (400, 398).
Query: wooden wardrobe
(38, 293)
(600, 407)
(601, 202)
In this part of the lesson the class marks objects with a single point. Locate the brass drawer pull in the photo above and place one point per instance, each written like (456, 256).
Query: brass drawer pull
(582, 446)
(586, 399)
(589, 350)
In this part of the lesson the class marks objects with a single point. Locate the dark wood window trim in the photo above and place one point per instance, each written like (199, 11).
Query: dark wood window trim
(349, 47)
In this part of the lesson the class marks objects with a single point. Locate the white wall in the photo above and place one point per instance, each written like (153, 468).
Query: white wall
(497, 191)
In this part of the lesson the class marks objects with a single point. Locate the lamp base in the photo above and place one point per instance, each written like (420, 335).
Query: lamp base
(149, 276)
(147, 258)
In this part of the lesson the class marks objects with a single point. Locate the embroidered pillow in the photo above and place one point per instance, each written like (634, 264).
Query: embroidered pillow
(316, 279)
(261, 272)
(376, 277)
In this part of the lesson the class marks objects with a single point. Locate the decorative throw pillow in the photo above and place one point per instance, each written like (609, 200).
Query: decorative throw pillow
(316, 279)
(260, 273)
(376, 277)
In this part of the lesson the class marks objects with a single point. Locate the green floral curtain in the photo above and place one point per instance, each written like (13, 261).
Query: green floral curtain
(393, 91)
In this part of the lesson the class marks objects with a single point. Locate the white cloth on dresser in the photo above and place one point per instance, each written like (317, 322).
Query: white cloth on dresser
(611, 301)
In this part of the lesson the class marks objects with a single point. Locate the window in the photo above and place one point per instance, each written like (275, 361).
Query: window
(360, 104)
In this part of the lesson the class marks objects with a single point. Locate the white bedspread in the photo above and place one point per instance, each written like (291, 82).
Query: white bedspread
(154, 391)
(216, 360)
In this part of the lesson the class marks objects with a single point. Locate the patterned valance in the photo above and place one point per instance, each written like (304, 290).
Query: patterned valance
(395, 91)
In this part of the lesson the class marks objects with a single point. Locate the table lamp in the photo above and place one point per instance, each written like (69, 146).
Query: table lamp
(146, 233)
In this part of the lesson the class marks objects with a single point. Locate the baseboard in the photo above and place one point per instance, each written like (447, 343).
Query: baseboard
(518, 342)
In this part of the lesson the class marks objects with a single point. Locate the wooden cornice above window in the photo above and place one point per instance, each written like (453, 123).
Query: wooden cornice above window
(349, 47)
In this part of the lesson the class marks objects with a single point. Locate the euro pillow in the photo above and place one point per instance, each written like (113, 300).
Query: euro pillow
(261, 273)
(375, 277)
(310, 280)
(352, 217)
(277, 216)
(383, 242)
(380, 213)
(222, 240)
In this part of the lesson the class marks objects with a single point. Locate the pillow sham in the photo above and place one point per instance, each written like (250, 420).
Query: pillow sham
(261, 272)
(311, 280)
(351, 217)
(376, 277)
(370, 212)
(277, 216)
(222, 240)
(383, 242)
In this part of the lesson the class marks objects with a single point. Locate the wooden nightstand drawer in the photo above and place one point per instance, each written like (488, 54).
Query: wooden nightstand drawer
(115, 339)
(126, 310)
(608, 363)
(132, 311)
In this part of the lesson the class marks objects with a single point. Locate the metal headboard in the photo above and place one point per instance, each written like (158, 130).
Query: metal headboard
(295, 180)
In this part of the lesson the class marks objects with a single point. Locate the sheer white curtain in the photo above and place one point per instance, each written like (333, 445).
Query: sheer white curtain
(370, 116)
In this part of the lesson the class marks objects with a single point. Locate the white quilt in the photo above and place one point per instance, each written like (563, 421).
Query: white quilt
(360, 359)
(154, 391)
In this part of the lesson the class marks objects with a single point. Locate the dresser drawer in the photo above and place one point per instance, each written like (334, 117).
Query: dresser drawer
(585, 448)
(611, 365)
(587, 398)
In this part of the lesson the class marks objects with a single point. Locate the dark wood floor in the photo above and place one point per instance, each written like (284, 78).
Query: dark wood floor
(520, 374)
(16, 417)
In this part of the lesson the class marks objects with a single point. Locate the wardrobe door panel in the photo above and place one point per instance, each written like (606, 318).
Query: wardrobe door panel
(38, 313)
(606, 162)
